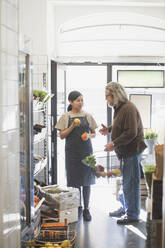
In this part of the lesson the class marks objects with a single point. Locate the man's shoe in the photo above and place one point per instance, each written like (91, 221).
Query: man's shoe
(126, 221)
(117, 213)
(86, 215)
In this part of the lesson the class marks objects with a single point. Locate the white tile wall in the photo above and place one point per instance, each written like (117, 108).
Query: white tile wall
(9, 15)
(9, 126)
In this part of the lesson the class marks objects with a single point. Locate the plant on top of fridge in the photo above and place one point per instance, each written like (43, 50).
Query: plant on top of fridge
(150, 134)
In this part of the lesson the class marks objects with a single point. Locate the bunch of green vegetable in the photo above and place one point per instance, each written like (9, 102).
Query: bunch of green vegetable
(40, 94)
(90, 161)
(57, 191)
(148, 170)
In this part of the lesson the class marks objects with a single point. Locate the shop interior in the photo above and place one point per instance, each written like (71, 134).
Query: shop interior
(48, 49)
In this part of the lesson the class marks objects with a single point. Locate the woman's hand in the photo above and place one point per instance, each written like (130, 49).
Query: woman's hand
(75, 124)
(85, 136)
(103, 130)
(109, 147)
(67, 131)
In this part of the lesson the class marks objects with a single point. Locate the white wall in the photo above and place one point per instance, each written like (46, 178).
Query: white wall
(37, 22)
(67, 13)
(9, 126)
(51, 41)
(66, 48)
(45, 19)
(33, 23)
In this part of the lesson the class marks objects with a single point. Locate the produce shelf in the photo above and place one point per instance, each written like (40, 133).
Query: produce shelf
(40, 166)
(40, 136)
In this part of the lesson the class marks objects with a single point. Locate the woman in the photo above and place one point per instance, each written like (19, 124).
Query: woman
(77, 148)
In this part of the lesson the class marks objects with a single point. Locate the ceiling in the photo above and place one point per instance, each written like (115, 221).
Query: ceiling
(128, 3)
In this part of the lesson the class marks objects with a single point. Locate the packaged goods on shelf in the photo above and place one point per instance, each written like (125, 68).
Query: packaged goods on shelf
(40, 135)
(39, 163)
(61, 198)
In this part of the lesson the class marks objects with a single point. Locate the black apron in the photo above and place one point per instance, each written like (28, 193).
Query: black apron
(76, 149)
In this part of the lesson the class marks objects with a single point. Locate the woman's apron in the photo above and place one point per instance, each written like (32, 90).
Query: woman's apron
(76, 149)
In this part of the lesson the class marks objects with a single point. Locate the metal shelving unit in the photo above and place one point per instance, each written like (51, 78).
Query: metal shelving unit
(40, 144)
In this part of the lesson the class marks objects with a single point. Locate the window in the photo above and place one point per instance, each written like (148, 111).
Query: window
(141, 78)
(140, 101)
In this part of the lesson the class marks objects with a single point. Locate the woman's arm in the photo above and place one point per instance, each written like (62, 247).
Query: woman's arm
(67, 131)
(92, 134)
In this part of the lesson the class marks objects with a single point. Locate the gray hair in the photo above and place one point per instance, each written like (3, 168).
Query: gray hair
(117, 91)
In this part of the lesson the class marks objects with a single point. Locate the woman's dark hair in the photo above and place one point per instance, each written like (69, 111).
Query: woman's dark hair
(72, 97)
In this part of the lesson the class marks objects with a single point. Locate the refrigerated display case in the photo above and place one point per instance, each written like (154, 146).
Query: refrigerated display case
(26, 144)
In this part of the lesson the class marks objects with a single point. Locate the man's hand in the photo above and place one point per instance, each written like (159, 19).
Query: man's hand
(103, 130)
(109, 147)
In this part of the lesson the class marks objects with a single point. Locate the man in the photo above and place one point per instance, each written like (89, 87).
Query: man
(127, 140)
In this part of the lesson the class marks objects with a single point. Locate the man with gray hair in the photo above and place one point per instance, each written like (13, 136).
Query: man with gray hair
(127, 140)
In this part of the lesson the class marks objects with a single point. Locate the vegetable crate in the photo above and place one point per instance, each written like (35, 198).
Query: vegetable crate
(67, 243)
(54, 234)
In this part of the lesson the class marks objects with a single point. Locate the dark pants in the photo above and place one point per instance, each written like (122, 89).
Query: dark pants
(85, 191)
(130, 193)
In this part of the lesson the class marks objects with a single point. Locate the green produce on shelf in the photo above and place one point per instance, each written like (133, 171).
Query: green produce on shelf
(41, 95)
(148, 170)
(35, 93)
(56, 191)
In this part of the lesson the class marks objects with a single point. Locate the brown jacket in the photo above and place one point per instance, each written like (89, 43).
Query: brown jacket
(127, 130)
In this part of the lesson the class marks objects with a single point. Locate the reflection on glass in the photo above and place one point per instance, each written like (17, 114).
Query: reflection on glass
(23, 137)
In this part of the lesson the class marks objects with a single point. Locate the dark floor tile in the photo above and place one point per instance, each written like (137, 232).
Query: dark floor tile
(103, 231)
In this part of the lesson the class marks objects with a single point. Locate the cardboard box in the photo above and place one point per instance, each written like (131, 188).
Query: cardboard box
(70, 214)
(68, 199)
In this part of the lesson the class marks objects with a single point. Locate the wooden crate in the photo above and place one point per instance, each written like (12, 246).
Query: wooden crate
(156, 198)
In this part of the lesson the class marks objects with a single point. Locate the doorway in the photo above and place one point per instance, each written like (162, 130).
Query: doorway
(91, 82)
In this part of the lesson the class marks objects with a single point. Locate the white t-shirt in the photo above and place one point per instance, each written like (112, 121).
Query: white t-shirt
(62, 123)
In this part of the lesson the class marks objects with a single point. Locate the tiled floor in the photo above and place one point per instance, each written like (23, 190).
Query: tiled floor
(102, 231)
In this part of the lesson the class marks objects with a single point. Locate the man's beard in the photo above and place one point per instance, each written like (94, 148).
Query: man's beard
(110, 105)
